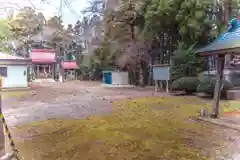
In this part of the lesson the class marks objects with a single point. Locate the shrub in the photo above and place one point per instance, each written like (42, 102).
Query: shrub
(186, 84)
(185, 63)
(84, 71)
(208, 85)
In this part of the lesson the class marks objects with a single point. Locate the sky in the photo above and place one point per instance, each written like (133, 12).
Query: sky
(70, 13)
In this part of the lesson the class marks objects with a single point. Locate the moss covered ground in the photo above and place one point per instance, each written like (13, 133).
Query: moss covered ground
(230, 106)
(14, 94)
(141, 129)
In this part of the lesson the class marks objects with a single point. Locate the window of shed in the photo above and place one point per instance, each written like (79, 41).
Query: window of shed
(3, 71)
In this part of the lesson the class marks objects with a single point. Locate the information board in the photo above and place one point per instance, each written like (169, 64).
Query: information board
(161, 73)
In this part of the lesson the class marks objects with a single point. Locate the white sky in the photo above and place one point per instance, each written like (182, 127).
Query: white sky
(48, 8)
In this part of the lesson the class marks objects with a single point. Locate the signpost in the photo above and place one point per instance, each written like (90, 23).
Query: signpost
(161, 73)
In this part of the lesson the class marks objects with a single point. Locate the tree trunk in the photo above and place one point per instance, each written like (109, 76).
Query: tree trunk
(141, 75)
(228, 18)
(218, 86)
(139, 58)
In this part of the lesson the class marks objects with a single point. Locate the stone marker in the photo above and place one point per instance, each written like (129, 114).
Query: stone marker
(203, 112)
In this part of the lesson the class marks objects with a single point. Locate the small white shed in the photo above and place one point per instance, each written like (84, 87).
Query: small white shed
(13, 70)
(115, 79)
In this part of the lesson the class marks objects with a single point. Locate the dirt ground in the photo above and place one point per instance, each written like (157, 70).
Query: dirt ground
(84, 99)
(67, 100)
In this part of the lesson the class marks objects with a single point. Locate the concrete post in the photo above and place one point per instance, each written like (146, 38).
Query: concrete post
(2, 137)
(7, 150)
(7, 146)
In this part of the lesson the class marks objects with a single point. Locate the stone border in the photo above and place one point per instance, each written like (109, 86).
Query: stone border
(16, 89)
(220, 123)
(8, 156)
(117, 86)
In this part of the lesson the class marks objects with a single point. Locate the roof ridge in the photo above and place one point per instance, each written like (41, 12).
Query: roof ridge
(9, 56)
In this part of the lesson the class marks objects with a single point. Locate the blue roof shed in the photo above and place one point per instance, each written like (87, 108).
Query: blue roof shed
(226, 43)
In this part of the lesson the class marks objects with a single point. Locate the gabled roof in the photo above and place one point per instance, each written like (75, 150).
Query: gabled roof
(5, 56)
(226, 42)
(69, 65)
(6, 59)
(43, 56)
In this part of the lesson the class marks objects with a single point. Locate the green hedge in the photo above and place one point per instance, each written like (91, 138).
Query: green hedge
(186, 84)
(208, 85)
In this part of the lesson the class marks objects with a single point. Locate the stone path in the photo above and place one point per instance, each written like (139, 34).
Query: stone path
(231, 137)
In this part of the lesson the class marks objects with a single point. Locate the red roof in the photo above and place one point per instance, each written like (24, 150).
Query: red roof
(69, 65)
(43, 56)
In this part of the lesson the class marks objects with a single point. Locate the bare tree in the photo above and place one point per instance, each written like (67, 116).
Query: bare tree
(96, 7)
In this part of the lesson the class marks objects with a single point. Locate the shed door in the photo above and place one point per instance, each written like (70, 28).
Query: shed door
(107, 77)
(3, 74)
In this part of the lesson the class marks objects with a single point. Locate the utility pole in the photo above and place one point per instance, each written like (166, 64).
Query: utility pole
(218, 86)
(221, 62)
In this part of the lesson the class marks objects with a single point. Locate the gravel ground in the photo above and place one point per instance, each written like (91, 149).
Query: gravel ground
(71, 99)
(83, 99)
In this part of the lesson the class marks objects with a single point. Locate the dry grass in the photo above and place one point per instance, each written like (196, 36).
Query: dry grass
(142, 129)
(14, 94)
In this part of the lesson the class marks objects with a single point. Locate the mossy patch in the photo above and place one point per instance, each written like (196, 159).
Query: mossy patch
(142, 129)
(232, 106)
(14, 94)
